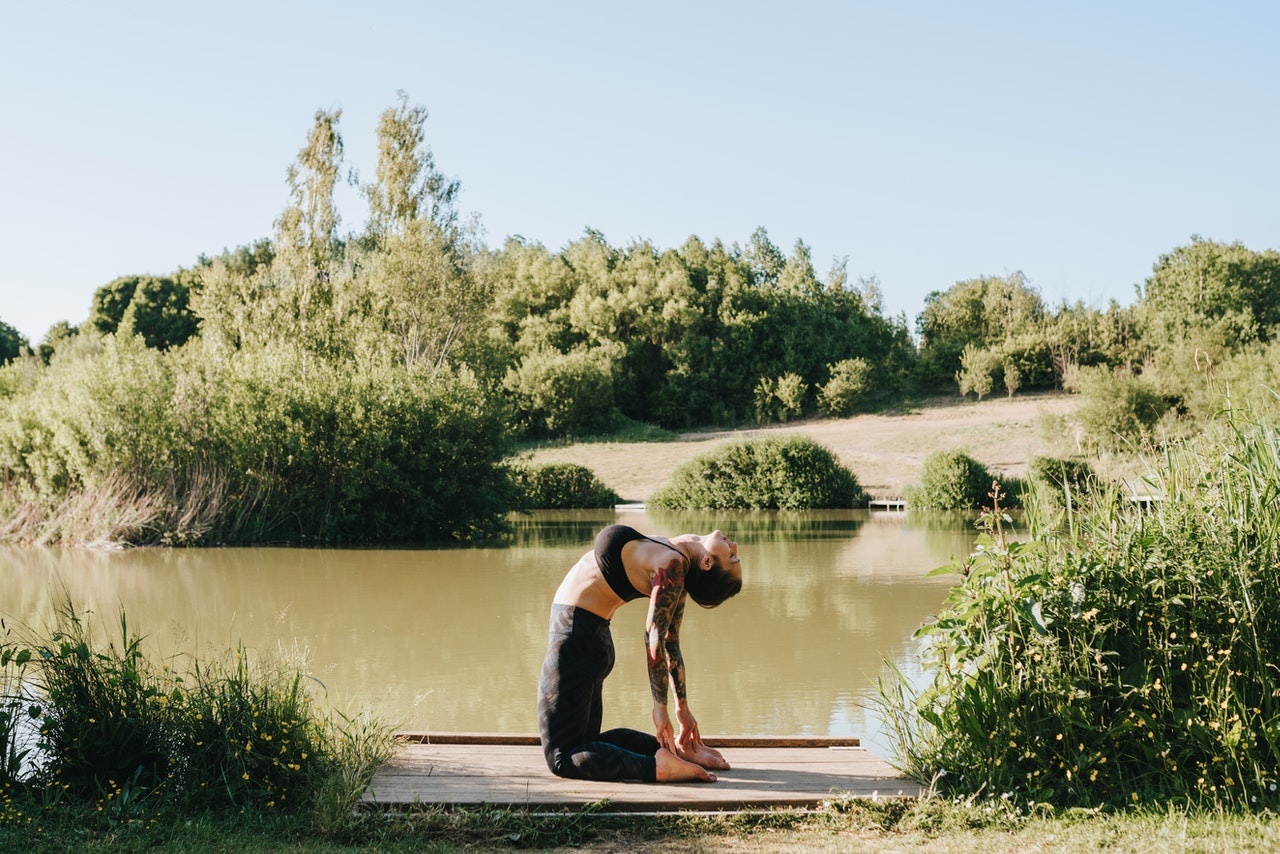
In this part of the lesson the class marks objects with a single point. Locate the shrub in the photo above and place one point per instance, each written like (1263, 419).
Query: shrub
(1131, 659)
(132, 444)
(785, 473)
(564, 394)
(1117, 409)
(977, 367)
(560, 486)
(781, 399)
(950, 480)
(848, 387)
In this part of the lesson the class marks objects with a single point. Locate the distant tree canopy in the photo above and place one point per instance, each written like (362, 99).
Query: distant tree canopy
(11, 343)
(580, 339)
(155, 308)
(686, 335)
(1217, 295)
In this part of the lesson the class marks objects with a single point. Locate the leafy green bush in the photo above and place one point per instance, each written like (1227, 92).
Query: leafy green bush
(563, 394)
(950, 480)
(785, 473)
(1131, 659)
(847, 388)
(1117, 409)
(132, 444)
(560, 486)
(977, 369)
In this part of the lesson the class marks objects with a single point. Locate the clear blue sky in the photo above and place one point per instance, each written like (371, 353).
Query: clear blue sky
(928, 142)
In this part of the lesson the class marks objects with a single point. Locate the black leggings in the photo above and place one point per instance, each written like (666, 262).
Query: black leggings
(579, 657)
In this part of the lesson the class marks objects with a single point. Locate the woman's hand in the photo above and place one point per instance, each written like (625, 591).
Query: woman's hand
(665, 731)
(689, 740)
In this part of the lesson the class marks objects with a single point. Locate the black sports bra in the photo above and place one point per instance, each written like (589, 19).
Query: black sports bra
(608, 551)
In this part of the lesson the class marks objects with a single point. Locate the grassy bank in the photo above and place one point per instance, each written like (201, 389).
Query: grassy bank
(851, 826)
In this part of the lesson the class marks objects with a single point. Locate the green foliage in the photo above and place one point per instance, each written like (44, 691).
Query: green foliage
(976, 368)
(306, 244)
(950, 480)
(1062, 480)
(848, 387)
(987, 313)
(563, 394)
(561, 486)
(689, 332)
(11, 343)
(268, 445)
(118, 732)
(781, 399)
(783, 473)
(1218, 295)
(1117, 409)
(155, 308)
(409, 190)
(1128, 660)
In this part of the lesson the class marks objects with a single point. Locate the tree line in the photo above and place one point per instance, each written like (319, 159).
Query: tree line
(298, 371)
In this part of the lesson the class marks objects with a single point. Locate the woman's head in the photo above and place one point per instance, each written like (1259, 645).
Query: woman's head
(717, 574)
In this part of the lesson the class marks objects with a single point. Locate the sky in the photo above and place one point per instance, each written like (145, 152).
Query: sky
(927, 143)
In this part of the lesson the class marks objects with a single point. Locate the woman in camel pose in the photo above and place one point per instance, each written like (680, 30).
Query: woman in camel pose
(626, 565)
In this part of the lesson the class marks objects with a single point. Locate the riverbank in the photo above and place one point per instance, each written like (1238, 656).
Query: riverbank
(884, 450)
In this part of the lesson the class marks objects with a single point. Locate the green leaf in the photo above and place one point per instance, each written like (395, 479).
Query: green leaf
(1030, 608)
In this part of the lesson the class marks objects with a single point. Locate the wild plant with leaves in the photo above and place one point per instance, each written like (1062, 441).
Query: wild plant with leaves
(1128, 657)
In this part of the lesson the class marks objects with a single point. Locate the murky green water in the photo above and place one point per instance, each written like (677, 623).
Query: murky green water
(452, 639)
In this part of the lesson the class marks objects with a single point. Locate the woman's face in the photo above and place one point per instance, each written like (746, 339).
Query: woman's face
(724, 550)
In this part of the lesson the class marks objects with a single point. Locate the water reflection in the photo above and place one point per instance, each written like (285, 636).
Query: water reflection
(452, 639)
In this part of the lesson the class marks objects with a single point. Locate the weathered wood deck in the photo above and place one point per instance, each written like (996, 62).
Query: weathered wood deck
(509, 771)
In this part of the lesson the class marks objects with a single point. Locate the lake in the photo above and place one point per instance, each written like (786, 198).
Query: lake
(452, 639)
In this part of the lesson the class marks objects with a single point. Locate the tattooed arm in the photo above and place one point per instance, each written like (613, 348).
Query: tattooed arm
(689, 740)
(666, 608)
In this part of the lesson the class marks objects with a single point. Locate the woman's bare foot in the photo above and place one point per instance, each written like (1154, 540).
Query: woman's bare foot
(707, 757)
(673, 769)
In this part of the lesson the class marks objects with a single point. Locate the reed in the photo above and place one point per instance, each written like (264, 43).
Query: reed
(1127, 658)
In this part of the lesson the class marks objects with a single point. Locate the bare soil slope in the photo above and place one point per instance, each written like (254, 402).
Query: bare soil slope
(884, 451)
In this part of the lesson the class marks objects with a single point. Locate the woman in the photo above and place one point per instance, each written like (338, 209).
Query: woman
(626, 565)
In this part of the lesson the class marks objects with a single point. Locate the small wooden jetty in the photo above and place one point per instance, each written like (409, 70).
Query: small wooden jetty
(470, 769)
(888, 504)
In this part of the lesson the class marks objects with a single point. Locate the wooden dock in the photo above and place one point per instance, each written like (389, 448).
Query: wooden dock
(509, 771)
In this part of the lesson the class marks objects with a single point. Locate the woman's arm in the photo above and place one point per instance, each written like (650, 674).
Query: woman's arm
(666, 609)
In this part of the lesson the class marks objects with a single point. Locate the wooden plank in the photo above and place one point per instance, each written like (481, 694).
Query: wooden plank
(414, 737)
(515, 775)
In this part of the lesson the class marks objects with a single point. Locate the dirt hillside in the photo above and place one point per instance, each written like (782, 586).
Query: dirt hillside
(884, 451)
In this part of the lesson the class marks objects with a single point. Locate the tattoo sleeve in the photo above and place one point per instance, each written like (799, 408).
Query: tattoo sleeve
(674, 660)
(665, 610)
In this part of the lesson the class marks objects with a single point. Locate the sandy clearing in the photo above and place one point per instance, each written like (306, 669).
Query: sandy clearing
(884, 451)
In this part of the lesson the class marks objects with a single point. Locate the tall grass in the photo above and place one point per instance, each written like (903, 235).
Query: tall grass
(133, 737)
(1129, 658)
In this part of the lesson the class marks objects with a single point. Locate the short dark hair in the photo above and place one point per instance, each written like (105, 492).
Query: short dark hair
(711, 587)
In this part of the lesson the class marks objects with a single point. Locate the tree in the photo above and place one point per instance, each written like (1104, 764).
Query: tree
(1224, 295)
(156, 308)
(425, 293)
(849, 384)
(306, 233)
(11, 343)
(408, 188)
(976, 368)
(985, 312)
(562, 394)
(60, 332)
